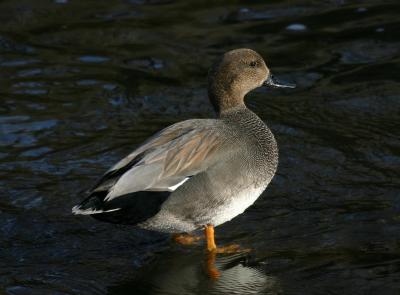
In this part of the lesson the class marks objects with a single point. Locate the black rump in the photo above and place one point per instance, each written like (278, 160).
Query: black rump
(135, 207)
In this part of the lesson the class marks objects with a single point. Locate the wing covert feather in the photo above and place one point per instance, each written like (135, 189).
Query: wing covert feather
(168, 158)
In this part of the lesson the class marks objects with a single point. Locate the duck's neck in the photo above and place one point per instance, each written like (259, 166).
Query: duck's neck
(257, 133)
(222, 105)
(224, 98)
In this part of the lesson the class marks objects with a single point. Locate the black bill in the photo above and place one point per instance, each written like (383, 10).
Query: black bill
(273, 82)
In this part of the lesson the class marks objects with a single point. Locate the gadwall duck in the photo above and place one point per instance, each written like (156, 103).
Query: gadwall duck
(199, 173)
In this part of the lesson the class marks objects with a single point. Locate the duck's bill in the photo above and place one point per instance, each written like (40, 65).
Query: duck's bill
(273, 82)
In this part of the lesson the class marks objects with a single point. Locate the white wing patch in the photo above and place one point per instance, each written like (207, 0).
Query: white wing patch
(174, 187)
(77, 210)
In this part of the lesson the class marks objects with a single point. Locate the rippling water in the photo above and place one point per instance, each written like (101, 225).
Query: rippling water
(83, 82)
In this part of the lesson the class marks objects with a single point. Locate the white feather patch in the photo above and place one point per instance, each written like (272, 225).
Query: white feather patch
(174, 187)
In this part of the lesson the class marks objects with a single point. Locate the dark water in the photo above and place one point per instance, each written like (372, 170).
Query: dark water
(83, 82)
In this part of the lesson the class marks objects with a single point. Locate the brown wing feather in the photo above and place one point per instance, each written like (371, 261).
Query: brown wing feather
(165, 136)
(167, 158)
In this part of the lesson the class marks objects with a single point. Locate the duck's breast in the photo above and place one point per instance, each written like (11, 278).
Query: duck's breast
(236, 205)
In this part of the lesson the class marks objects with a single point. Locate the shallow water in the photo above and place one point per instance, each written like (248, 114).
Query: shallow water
(84, 82)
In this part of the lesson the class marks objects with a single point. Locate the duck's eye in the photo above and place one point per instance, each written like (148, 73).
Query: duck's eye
(253, 64)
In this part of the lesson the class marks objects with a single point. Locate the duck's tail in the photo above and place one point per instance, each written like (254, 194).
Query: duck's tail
(131, 208)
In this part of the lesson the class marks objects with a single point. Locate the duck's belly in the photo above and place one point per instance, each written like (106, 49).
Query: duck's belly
(213, 197)
(204, 211)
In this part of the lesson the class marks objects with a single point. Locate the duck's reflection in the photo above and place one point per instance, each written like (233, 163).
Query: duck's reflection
(189, 273)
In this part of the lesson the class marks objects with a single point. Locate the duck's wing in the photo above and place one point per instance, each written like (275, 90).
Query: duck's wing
(166, 160)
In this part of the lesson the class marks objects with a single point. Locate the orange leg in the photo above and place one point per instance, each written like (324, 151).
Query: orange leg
(185, 239)
(212, 270)
(212, 247)
(212, 250)
(209, 233)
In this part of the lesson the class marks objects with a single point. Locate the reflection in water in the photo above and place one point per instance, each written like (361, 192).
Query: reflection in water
(186, 273)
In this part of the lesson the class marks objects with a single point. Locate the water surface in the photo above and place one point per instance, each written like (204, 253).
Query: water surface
(84, 82)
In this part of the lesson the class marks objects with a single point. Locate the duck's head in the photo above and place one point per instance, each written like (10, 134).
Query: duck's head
(238, 72)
